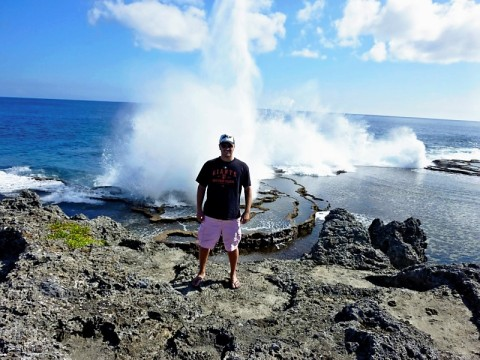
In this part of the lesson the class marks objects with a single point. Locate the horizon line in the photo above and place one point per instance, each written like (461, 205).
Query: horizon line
(260, 108)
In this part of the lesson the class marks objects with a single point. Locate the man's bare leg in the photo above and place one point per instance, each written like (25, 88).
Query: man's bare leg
(203, 257)
(233, 258)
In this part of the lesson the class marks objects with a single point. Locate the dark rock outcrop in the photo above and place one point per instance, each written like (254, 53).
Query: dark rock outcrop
(403, 243)
(24, 202)
(465, 167)
(345, 241)
(371, 333)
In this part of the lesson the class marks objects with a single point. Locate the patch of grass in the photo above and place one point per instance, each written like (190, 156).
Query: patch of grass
(75, 236)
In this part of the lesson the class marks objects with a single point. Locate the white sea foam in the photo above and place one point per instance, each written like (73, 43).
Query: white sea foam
(454, 153)
(363, 219)
(322, 144)
(321, 215)
(19, 170)
(71, 195)
(168, 141)
(172, 199)
(11, 182)
(19, 178)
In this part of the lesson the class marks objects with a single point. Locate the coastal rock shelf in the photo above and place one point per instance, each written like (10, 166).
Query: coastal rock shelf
(466, 167)
(282, 212)
(132, 298)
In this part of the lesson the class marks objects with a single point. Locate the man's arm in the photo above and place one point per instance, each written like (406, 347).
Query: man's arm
(248, 204)
(200, 196)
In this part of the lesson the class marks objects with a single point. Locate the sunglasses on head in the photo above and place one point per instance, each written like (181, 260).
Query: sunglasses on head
(226, 145)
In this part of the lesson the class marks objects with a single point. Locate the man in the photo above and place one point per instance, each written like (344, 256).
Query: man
(222, 180)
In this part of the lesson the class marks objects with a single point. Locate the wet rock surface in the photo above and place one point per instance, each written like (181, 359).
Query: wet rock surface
(132, 299)
(280, 215)
(466, 167)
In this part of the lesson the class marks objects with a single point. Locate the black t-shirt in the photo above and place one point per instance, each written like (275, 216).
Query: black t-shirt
(224, 182)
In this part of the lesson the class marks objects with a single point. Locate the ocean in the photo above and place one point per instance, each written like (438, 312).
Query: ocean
(78, 154)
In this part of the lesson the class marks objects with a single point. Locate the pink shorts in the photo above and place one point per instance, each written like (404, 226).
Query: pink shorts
(211, 229)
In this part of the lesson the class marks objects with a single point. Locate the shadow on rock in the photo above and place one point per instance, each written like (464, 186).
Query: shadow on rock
(12, 244)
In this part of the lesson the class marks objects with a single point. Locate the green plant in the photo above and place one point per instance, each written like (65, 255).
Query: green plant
(75, 236)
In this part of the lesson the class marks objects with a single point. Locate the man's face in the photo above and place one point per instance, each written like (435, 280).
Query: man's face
(226, 149)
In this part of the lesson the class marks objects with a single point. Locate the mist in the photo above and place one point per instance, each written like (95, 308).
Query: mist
(165, 143)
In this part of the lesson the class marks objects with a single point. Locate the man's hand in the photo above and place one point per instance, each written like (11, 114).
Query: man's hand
(245, 217)
(200, 195)
(248, 203)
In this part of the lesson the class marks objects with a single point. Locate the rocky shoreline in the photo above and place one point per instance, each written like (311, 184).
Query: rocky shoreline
(465, 167)
(361, 293)
(269, 228)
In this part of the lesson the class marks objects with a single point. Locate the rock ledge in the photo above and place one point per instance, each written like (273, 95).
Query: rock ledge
(133, 298)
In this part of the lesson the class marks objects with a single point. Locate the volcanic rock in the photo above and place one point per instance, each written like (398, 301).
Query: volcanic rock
(403, 243)
(133, 299)
(463, 278)
(371, 333)
(466, 167)
(345, 241)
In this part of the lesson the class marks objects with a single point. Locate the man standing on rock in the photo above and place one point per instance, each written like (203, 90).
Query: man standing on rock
(222, 179)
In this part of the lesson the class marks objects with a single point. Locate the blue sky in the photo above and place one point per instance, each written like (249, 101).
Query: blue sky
(418, 58)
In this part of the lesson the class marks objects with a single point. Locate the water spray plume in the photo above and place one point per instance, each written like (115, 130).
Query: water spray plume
(169, 140)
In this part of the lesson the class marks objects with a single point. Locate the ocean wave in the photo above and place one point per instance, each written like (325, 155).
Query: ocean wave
(15, 179)
(452, 153)
(54, 191)
(19, 170)
(313, 170)
(71, 195)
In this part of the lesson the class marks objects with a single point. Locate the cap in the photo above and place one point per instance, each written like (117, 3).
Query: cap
(227, 138)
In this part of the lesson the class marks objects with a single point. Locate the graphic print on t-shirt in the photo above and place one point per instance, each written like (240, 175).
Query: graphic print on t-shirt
(224, 176)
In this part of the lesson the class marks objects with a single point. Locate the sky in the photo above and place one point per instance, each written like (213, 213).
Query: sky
(413, 58)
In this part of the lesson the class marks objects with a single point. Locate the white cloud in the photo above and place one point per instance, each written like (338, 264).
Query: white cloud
(197, 3)
(377, 53)
(181, 25)
(414, 30)
(311, 10)
(259, 5)
(358, 19)
(306, 53)
(157, 25)
(264, 29)
(323, 39)
(309, 15)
